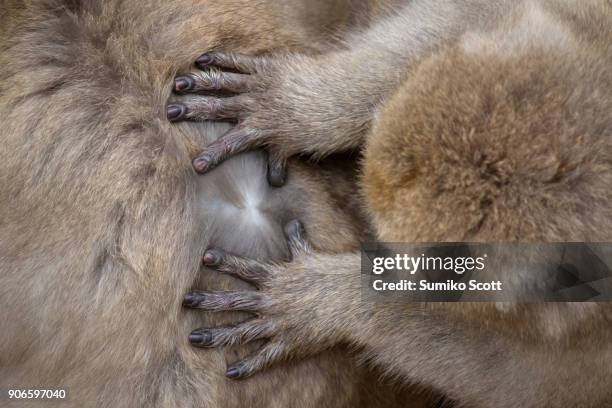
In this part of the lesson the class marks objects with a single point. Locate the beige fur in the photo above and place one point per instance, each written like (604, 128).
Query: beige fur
(479, 121)
(103, 222)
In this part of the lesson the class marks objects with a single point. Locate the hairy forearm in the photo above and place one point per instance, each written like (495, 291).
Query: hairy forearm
(317, 105)
(331, 100)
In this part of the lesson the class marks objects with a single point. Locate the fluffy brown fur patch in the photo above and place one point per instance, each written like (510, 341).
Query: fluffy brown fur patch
(496, 148)
(103, 220)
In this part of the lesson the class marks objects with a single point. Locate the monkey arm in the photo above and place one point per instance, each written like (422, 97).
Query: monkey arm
(315, 301)
(297, 104)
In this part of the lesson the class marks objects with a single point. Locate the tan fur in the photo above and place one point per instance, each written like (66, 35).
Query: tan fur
(479, 121)
(103, 222)
(527, 126)
(508, 139)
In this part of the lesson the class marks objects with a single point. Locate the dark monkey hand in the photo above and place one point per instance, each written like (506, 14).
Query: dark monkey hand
(286, 307)
(242, 90)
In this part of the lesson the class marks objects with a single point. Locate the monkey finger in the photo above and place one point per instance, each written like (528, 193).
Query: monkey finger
(236, 140)
(213, 80)
(237, 62)
(250, 330)
(248, 270)
(277, 169)
(248, 301)
(296, 237)
(211, 108)
(269, 354)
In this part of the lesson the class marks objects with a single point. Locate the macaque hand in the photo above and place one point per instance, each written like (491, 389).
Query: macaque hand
(240, 89)
(284, 307)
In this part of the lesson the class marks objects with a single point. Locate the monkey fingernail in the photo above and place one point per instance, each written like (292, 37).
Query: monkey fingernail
(211, 258)
(175, 112)
(204, 60)
(276, 176)
(202, 163)
(232, 372)
(195, 338)
(190, 300)
(200, 338)
(183, 83)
